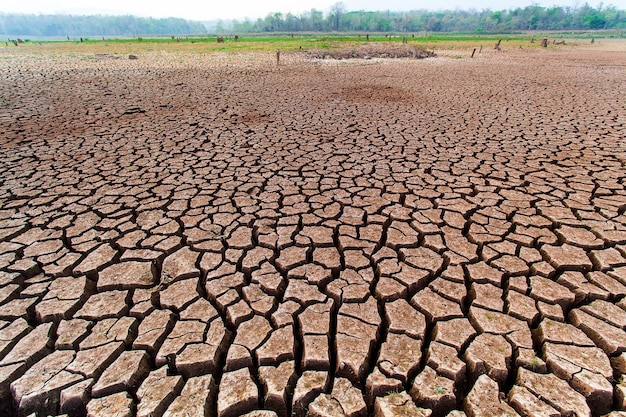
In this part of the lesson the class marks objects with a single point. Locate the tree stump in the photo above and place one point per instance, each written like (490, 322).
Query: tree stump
(544, 42)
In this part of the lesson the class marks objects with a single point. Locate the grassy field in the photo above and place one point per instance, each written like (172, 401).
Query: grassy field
(287, 42)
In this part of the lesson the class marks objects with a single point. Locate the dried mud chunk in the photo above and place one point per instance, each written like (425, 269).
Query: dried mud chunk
(197, 359)
(157, 392)
(291, 257)
(608, 312)
(554, 331)
(379, 385)
(70, 333)
(354, 343)
(124, 374)
(11, 334)
(18, 308)
(445, 361)
(74, 399)
(401, 234)
(398, 404)
(566, 257)
(349, 397)
(606, 259)
(96, 259)
(285, 313)
(434, 391)
(32, 347)
(567, 360)
(201, 310)
(276, 381)
(450, 288)
(434, 306)
(153, 330)
(180, 294)
(39, 389)
(327, 257)
(454, 332)
(118, 405)
(184, 332)
(388, 289)
(325, 406)
(423, 258)
(303, 293)
(238, 394)
(400, 356)
(486, 296)
(63, 298)
(180, 265)
(528, 405)
(126, 275)
(352, 286)
(521, 307)
(548, 291)
(104, 305)
(579, 236)
(554, 391)
(483, 273)
(596, 388)
(607, 282)
(484, 400)
(315, 352)
(486, 321)
(194, 398)
(258, 300)
(309, 385)
(91, 362)
(111, 330)
(609, 338)
(489, 355)
(402, 318)
(279, 347)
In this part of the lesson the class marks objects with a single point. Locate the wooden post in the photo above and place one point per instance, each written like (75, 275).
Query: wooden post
(277, 57)
(497, 47)
(473, 52)
(367, 37)
(544, 42)
(481, 49)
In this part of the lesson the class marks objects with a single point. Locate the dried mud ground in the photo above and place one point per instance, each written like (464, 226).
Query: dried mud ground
(208, 234)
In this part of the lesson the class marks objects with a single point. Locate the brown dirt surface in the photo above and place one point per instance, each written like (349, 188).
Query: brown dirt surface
(215, 233)
(372, 50)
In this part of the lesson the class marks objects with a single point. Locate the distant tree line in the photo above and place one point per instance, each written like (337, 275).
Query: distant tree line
(69, 25)
(527, 18)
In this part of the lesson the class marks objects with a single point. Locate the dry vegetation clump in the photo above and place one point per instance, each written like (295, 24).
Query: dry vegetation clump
(372, 50)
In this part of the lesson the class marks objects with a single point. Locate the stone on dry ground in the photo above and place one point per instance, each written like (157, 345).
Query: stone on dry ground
(318, 239)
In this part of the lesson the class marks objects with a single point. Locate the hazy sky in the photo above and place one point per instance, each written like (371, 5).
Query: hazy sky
(228, 9)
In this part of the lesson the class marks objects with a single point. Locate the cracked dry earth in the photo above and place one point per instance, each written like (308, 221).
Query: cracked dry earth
(210, 235)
